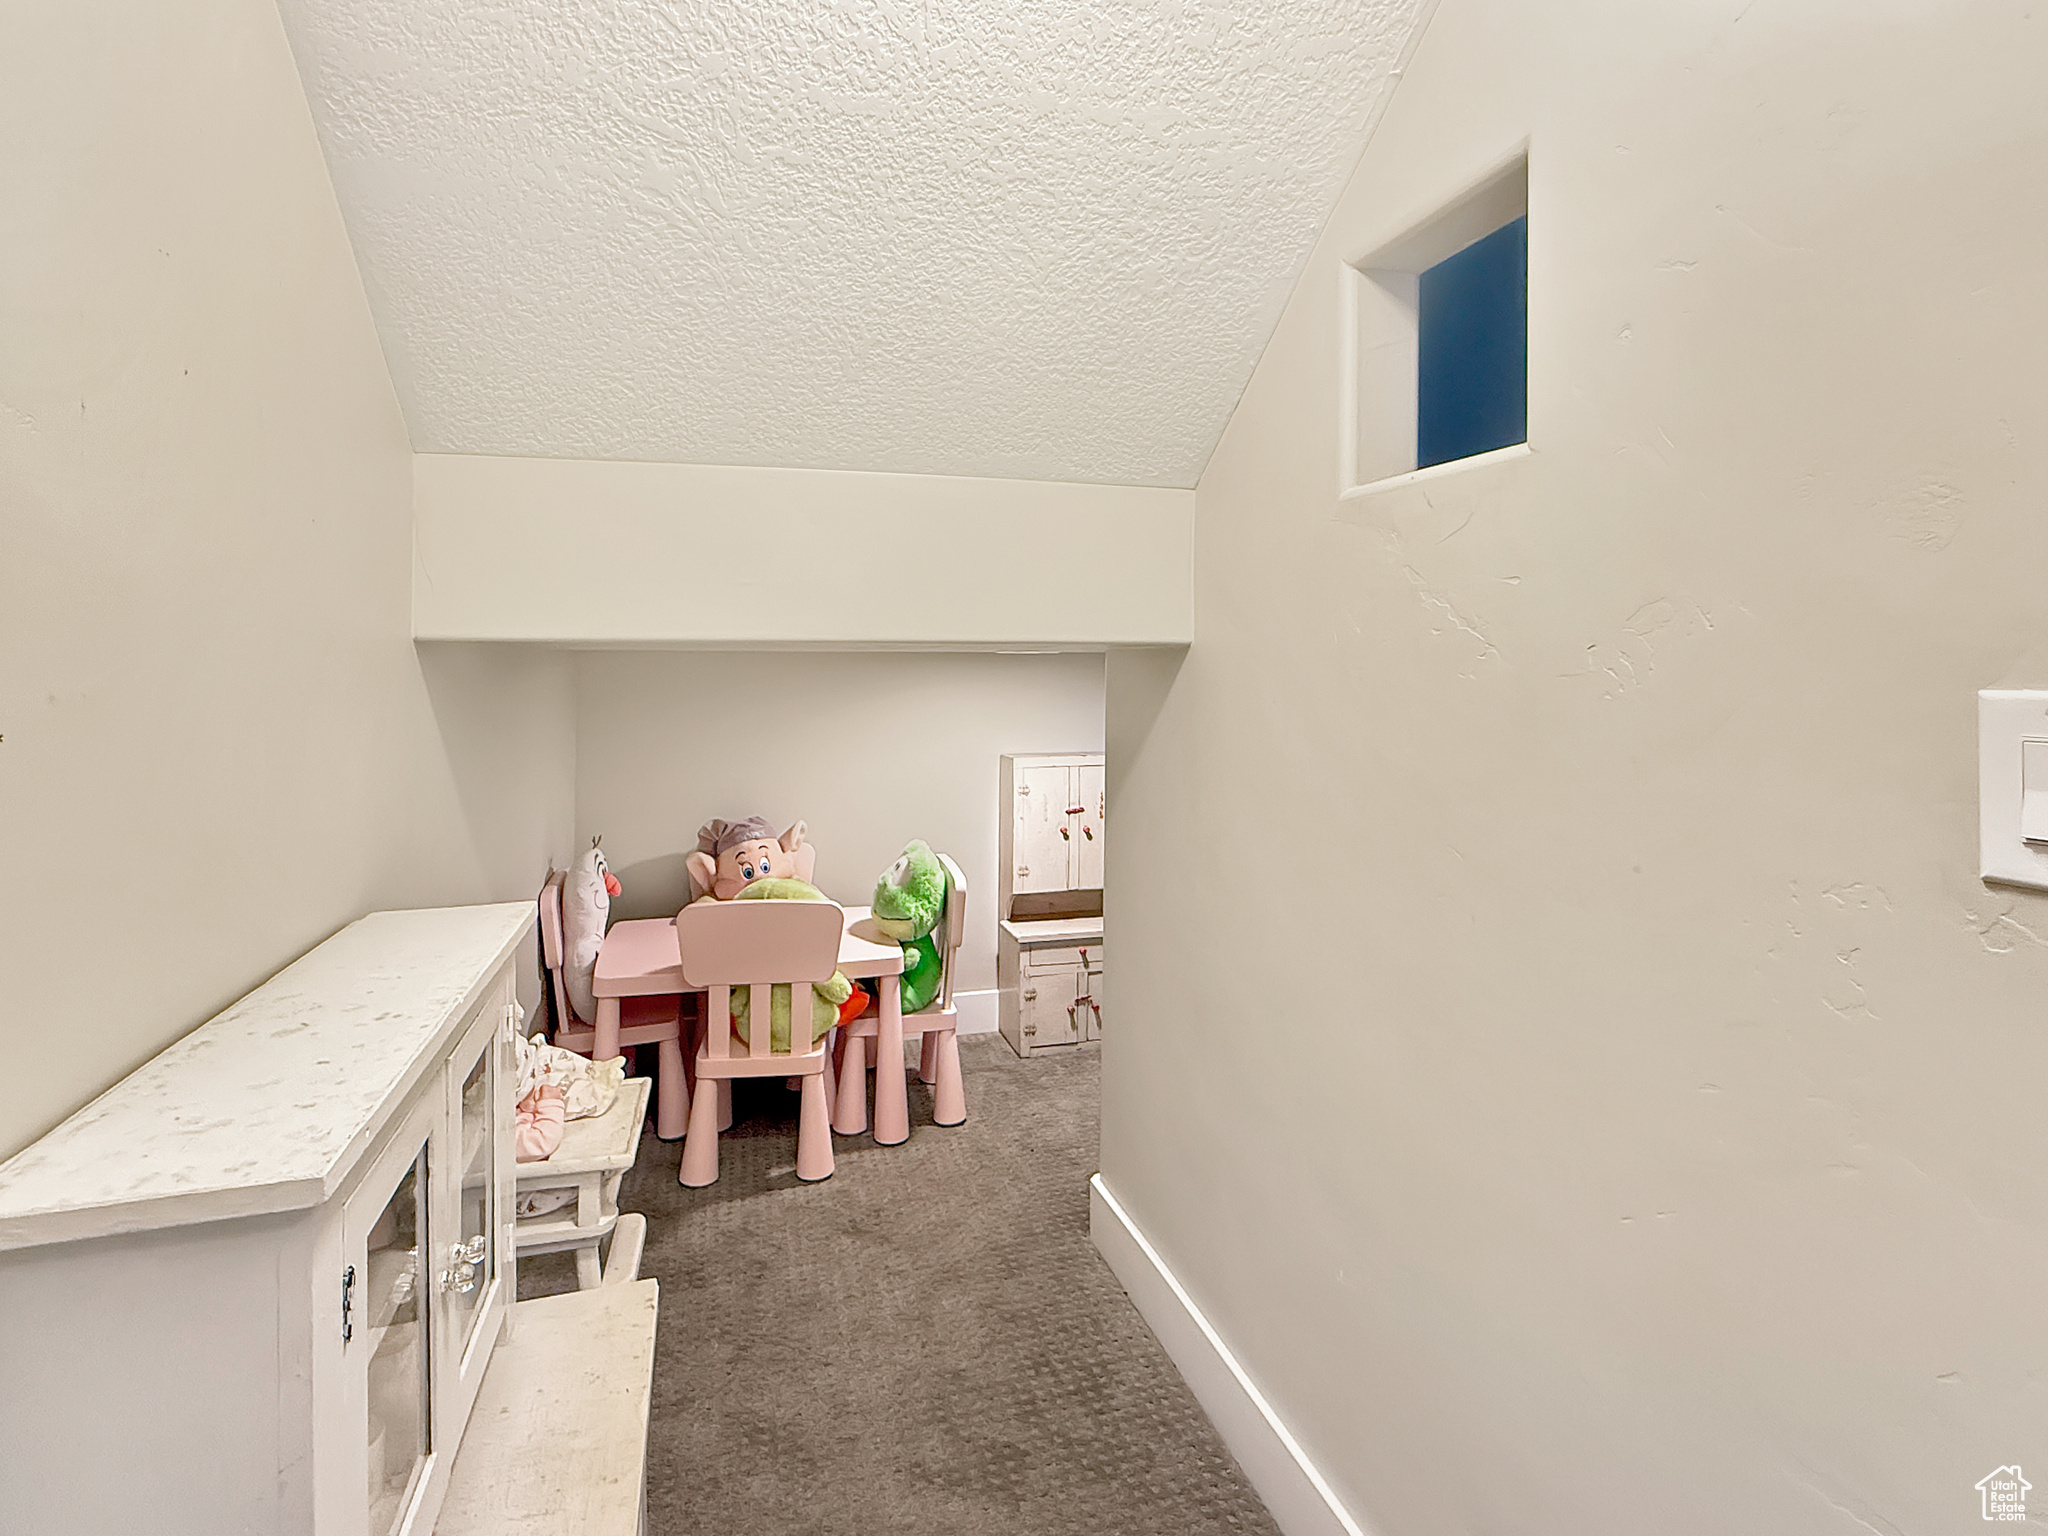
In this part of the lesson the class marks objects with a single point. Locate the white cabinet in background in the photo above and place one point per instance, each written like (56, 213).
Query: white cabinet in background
(1051, 834)
(1049, 982)
(256, 1284)
(1049, 900)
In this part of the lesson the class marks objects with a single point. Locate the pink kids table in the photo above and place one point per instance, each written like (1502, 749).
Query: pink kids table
(640, 959)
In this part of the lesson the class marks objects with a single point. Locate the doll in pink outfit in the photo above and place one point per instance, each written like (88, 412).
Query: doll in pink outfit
(539, 1117)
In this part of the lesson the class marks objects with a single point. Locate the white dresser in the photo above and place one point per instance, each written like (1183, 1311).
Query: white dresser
(1049, 900)
(254, 1286)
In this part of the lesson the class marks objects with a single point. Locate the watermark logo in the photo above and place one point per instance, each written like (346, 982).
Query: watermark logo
(2005, 1494)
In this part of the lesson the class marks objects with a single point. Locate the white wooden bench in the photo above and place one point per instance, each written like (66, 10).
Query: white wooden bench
(557, 1442)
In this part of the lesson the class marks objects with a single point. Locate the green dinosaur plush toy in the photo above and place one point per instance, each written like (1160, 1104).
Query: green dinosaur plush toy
(826, 996)
(910, 898)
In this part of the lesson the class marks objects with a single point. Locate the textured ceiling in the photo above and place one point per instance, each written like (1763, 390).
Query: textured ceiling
(993, 237)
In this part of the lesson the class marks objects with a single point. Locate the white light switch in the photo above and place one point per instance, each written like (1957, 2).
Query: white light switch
(2012, 785)
(2034, 789)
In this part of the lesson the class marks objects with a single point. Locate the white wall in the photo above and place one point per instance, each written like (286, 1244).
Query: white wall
(871, 749)
(217, 743)
(585, 551)
(1633, 1121)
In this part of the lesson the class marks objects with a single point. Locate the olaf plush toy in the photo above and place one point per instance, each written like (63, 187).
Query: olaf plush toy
(586, 906)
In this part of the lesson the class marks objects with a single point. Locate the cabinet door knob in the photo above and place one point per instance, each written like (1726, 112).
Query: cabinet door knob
(1064, 834)
(460, 1279)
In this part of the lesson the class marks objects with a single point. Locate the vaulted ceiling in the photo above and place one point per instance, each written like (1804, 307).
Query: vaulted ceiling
(1037, 238)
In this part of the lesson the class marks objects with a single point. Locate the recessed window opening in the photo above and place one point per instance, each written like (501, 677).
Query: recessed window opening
(1436, 366)
(1472, 350)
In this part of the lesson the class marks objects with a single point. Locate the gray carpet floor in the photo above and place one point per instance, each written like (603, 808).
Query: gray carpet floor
(925, 1342)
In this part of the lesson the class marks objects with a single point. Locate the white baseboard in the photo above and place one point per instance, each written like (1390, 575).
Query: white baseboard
(975, 1014)
(977, 1011)
(1300, 1502)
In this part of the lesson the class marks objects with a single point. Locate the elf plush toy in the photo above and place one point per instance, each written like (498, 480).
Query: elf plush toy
(745, 860)
(731, 855)
(910, 898)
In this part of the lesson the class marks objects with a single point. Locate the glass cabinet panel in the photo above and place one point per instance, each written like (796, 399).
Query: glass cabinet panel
(427, 1275)
(395, 1315)
(473, 1263)
(474, 1274)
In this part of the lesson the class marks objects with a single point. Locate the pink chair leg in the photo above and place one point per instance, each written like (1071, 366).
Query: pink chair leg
(831, 1082)
(725, 1103)
(850, 1109)
(892, 1087)
(700, 1147)
(928, 1057)
(671, 1092)
(949, 1093)
(813, 1133)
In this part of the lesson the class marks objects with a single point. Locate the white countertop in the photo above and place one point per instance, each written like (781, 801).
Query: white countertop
(268, 1105)
(1033, 932)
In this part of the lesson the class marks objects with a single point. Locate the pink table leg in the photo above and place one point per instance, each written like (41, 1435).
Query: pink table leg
(606, 1045)
(672, 1102)
(892, 1093)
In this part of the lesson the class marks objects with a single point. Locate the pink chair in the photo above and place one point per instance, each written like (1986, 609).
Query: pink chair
(655, 1021)
(938, 1057)
(758, 944)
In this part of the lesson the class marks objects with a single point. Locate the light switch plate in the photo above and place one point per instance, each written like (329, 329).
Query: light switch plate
(2012, 785)
(2034, 789)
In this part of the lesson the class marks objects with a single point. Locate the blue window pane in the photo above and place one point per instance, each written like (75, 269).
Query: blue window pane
(1472, 376)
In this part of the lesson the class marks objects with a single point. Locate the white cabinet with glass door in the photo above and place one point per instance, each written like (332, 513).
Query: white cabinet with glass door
(298, 1220)
(423, 1283)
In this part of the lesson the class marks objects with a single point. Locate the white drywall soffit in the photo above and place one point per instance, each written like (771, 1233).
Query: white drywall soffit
(1042, 240)
(602, 553)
